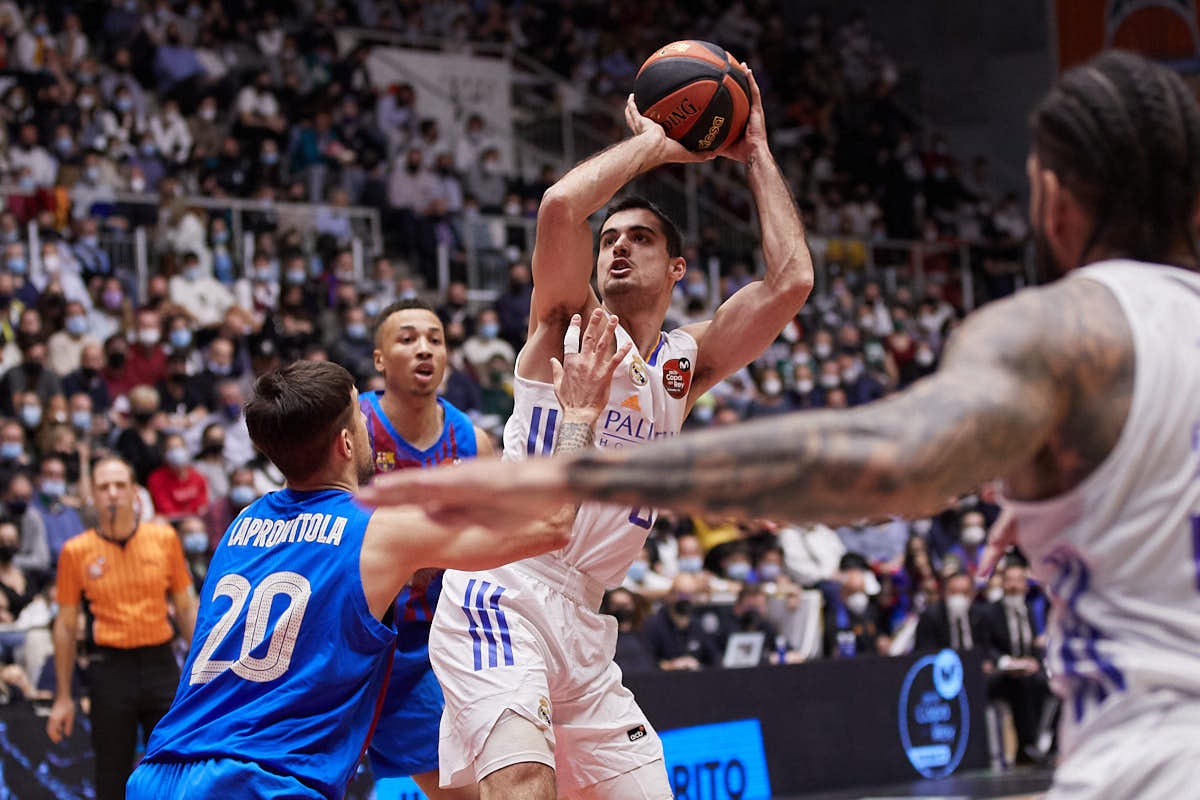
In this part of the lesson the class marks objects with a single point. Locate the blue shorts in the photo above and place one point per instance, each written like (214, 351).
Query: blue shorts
(213, 777)
(406, 735)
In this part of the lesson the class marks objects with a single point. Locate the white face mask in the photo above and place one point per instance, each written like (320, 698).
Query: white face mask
(771, 388)
(1014, 600)
(823, 350)
(973, 535)
(804, 385)
(957, 603)
(857, 603)
(995, 593)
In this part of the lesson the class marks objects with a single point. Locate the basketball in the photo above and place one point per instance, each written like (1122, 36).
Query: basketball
(697, 91)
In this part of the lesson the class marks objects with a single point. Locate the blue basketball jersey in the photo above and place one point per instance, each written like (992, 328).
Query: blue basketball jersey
(287, 664)
(391, 452)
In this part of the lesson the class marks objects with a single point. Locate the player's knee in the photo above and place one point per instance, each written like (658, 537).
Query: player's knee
(516, 760)
(647, 782)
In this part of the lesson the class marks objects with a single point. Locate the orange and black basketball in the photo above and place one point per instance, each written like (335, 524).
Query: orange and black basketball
(697, 92)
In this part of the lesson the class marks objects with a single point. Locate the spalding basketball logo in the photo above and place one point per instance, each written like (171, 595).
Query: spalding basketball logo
(637, 374)
(681, 112)
(677, 377)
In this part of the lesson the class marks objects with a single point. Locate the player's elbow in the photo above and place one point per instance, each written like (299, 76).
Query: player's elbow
(557, 207)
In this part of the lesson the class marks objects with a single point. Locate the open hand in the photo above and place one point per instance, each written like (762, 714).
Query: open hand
(583, 378)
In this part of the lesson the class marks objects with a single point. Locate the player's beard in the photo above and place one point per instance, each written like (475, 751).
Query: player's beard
(364, 465)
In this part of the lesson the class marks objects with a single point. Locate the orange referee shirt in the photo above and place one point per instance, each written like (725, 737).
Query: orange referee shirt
(126, 586)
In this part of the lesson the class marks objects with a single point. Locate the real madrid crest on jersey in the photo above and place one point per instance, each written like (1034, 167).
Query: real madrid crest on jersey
(637, 373)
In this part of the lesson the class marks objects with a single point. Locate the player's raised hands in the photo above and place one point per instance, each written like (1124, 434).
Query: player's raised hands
(583, 378)
(667, 150)
(755, 134)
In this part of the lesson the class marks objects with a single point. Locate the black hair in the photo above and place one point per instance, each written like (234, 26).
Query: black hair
(1122, 134)
(397, 306)
(670, 229)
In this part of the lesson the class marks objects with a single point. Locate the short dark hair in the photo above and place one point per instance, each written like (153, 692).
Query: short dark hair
(295, 413)
(1122, 134)
(396, 307)
(670, 229)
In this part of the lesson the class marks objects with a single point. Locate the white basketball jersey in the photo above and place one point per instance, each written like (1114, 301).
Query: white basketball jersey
(1120, 553)
(648, 401)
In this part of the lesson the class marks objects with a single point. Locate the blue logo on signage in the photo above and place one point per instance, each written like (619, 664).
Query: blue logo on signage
(723, 761)
(935, 718)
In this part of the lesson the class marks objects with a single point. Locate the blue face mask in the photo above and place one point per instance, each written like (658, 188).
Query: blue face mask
(11, 451)
(177, 456)
(691, 564)
(77, 325)
(195, 543)
(180, 338)
(81, 420)
(31, 416)
(357, 331)
(241, 496)
(296, 277)
(53, 488)
(638, 570)
(738, 571)
(17, 266)
(489, 330)
(769, 572)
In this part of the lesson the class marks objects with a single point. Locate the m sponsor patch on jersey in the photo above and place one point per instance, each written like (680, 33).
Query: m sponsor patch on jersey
(385, 461)
(677, 377)
(637, 373)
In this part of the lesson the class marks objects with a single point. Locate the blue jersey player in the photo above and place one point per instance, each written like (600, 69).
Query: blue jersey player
(294, 636)
(410, 426)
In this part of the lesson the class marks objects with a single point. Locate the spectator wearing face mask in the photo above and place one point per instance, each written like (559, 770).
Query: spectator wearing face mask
(964, 552)
(146, 362)
(632, 652)
(955, 621)
(177, 488)
(141, 444)
(486, 344)
(354, 348)
(224, 508)
(31, 374)
(675, 635)
(1014, 644)
(644, 579)
(749, 615)
(33, 555)
(197, 550)
(853, 624)
(60, 520)
(772, 398)
(66, 346)
(195, 289)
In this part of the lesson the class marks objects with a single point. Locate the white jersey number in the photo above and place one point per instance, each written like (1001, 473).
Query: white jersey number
(278, 657)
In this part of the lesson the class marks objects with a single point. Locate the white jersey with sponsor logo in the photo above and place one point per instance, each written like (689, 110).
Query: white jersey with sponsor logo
(648, 401)
(1120, 553)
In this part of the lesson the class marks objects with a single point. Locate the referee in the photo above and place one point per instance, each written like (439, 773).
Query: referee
(126, 572)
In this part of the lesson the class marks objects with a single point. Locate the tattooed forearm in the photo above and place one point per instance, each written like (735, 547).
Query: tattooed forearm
(574, 436)
(1008, 382)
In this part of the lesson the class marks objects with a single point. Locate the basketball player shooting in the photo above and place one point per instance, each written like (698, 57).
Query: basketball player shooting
(1082, 395)
(520, 704)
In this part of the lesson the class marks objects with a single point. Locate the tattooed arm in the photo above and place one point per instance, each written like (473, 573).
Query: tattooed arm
(1038, 383)
(1034, 388)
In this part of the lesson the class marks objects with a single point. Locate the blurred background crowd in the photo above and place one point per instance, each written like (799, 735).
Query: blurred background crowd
(189, 189)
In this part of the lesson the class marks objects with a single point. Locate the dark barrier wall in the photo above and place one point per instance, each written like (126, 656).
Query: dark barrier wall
(829, 724)
(823, 725)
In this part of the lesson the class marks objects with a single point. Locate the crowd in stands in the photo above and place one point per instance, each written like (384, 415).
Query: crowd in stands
(242, 100)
